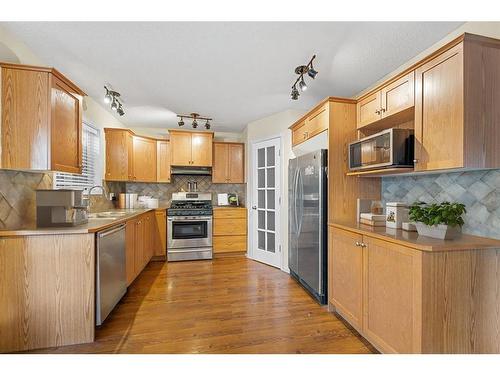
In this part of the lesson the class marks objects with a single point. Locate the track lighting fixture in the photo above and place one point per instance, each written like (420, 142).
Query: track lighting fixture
(195, 117)
(112, 97)
(301, 70)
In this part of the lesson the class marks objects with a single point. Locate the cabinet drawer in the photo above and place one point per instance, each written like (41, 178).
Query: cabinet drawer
(226, 244)
(230, 213)
(230, 227)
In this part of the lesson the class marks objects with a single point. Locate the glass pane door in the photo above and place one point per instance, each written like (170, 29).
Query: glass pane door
(266, 198)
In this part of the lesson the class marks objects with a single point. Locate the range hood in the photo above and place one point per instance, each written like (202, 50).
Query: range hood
(199, 171)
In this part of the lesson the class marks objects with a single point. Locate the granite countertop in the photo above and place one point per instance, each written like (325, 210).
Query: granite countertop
(423, 243)
(93, 225)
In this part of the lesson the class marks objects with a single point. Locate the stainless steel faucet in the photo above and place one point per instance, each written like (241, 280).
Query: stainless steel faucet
(104, 195)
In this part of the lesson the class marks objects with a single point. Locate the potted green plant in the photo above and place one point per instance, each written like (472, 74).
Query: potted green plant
(438, 220)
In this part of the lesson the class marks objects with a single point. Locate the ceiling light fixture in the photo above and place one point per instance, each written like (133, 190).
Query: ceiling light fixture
(112, 97)
(195, 117)
(301, 70)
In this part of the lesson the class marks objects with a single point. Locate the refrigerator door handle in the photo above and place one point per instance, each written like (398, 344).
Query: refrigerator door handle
(295, 185)
(300, 187)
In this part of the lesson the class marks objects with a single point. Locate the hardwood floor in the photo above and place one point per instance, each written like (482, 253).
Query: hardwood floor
(228, 305)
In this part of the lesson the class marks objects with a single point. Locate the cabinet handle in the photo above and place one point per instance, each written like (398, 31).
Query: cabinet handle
(358, 243)
(415, 161)
(382, 110)
(377, 111)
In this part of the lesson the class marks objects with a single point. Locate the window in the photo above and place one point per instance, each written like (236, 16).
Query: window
(90, 154)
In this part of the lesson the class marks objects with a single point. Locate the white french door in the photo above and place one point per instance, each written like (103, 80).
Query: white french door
(266, 193)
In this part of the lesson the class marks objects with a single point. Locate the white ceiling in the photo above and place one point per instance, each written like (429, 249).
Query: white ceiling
(233, 72)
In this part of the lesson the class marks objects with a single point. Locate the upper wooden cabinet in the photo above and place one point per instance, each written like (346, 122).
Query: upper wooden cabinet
(119, 155)
(41, 122)
(313, 123)
(228, 163)
(130, 157)
(394, 99)
(456, 107)
(191, 148)
(163, 161)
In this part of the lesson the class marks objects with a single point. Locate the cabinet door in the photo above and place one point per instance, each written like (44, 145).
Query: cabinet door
(66, 129)
(201, 146)
(139, 245)
(180, 144)
(399, 95)
(392, 296)
(345, 263)
(160, 233)
(368, 109)
(144, 159)
(117, 161)
(130, 251)
(148, 237)
(163, 162)
(439, 112)
(299, 134)
(220, 170)
(25, 119)
(236, 163)
(317, 121)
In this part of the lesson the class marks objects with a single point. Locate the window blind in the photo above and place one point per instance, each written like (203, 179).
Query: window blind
(90, 154)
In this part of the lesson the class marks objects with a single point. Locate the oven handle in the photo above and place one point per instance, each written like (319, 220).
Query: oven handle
(189, 218)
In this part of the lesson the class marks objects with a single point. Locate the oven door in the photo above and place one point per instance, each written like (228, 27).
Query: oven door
(189, 231)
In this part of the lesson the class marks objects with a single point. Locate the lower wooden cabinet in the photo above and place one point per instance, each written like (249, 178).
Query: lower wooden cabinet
(345, 265)
(139, 244)
(392, 296)
(404, 300)
(229, 229)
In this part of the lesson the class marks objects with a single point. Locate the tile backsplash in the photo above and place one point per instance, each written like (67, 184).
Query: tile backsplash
(478, 190)
(164, 191)
(17, 196)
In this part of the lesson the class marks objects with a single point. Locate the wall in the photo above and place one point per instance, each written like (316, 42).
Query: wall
(269, 127)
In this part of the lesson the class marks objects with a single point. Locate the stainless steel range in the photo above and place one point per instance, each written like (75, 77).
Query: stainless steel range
(189, 226)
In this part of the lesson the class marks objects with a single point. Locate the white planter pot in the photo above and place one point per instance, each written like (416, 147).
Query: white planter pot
(440, 231)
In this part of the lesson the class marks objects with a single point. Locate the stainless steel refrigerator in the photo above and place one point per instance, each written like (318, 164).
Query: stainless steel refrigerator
(307, 222)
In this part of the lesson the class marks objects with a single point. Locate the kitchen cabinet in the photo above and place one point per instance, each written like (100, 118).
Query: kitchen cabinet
(345, 265)
(392, 296)
(395, 98)
(315, 122)
(163, 161)
(230, 229)
(130, 157)
(139, 234)
(456, 116)
(407, 293)
(41, 120)
(160, 234)
(144, 152)
(228, 163)
(191, 148)
(119, 155)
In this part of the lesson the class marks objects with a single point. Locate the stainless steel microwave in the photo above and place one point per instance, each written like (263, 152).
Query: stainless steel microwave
(387, 149)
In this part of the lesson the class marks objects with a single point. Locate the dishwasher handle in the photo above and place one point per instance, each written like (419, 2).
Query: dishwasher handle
(111, 231)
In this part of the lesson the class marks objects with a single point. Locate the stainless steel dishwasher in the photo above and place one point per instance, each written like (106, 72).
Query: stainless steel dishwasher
(111, 279)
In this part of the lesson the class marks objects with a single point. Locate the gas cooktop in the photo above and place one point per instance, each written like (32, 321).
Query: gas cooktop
(190, 204)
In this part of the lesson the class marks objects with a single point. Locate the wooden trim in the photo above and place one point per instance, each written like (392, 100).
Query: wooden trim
(190, 131)
(53, 71)
(106, 130)
(319, 105)
(380, 172)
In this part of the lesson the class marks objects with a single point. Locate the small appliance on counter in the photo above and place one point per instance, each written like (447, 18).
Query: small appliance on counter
(227, 199)
(396, 214)
(391, 148)
(60, 208)
(127, 200)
